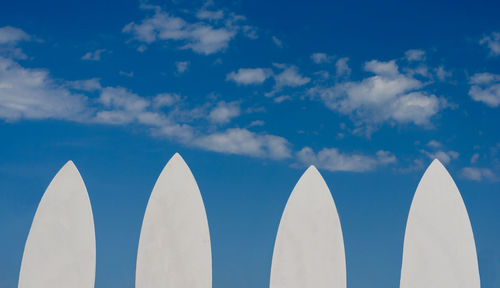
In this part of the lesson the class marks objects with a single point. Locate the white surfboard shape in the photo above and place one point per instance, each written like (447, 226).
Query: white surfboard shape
(174, 246)
(60, 249)
(439, 249)
(309, 248)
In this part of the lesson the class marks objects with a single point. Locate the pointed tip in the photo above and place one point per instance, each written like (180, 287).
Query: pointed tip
(436, 165)
(311, 169)
(70, 166)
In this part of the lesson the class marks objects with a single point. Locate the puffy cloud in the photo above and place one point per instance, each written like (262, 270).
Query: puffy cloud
(10, 35)
(33, 94)
(93, 55)
(289, 77)
(332, 159)
(320, 58)
(249, 76)
(201, 37)
(478, 174)
(492, 41)
(485, 87)
(244, 142)
(224, 112)
(388, 96)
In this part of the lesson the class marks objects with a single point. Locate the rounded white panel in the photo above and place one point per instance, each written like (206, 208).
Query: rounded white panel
(309, 248)
(60, 249)
(439, 249)
(174, 246)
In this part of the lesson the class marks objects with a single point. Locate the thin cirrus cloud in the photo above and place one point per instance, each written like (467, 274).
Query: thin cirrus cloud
(211, 34)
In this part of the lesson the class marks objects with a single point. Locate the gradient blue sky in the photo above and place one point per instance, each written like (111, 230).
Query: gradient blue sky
(250, 93)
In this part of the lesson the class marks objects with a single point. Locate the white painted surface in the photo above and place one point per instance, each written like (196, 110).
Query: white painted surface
(439, 249)
(309, 248)
(60, 249)
(174, 246)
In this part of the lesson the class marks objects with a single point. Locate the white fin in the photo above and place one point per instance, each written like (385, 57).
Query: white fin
(174, 246)
(439, 249)
(60, 249)
(309, 248)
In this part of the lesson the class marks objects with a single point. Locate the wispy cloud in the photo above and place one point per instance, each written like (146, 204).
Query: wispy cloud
(415, 55)
(94, 55)
(332, 159)
(492, 41)
(182, 66)
(320, 58)
(485, 87)
(277, 41)
(478, 174)
(11, 35)
(33, 94)
(207, 36)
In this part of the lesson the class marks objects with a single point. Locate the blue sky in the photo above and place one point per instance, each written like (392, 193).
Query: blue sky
(250, 93)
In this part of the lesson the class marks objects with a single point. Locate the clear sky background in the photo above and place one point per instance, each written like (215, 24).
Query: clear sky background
(250, 93)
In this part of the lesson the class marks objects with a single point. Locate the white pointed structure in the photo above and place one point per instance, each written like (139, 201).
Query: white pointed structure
(60, 249)
(309, 247)
(439, 249)
(174, 246)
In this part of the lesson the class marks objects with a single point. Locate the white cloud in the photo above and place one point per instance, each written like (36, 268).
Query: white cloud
(201, 37)
(342, 68)
(434, 144)
(382, 68)
(443, 156)
(182, 66)
(332, 159)
(249, 76)
(127, 74)
(485, 87)
(388, 96)
(320, 58)
(289, 77)
(88, 85)
(11, 36)
(415, 55)
(492, 41)
(478, 174)
(277, 41)
(441, 73)
(93, 55)
(244, 142)
(224, 112)
(166, 100)
(33, 94)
